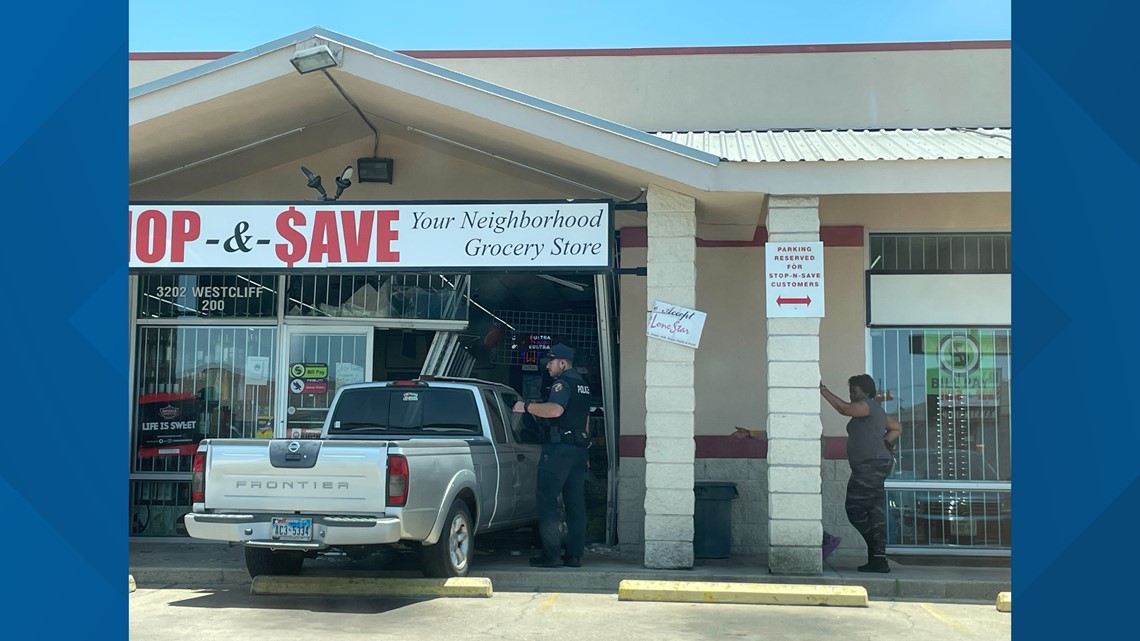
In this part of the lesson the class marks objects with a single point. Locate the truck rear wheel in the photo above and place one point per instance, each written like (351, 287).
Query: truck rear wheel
(263, 561)
(451, 555)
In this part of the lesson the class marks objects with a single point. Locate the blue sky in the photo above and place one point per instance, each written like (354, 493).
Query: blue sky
(237, 25)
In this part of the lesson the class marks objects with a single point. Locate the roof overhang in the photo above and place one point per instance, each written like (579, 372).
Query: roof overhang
(187, 128)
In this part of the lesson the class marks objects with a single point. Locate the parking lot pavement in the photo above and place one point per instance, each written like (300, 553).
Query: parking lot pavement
(503, 560)
(224, 614)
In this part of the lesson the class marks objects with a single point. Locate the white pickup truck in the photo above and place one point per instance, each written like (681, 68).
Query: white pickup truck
(428, 462)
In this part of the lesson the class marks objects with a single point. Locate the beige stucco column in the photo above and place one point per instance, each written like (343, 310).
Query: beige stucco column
(795, 502)
(669, 397)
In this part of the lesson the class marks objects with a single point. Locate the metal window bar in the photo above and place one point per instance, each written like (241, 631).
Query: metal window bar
(956, 431)
(310, 408)
(432, 354)
(973, 253)
(435, 353)
(401, 296)
(157, 507)
(971, 520)
(579, 331)
(462, 364)
(447, 357)
(202, 369)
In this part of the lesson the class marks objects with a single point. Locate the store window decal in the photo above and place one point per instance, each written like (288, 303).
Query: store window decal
(207, 296)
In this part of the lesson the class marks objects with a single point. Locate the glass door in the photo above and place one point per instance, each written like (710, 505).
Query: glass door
(317, 361)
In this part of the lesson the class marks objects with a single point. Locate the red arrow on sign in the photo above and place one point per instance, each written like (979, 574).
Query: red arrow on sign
(793, 301)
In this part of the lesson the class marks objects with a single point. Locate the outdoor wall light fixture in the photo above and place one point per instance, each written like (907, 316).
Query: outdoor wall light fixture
(343, 181)
(314, 58)
(374, 170)
(316, 54)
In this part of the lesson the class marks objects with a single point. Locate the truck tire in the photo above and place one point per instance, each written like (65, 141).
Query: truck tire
(451, 555)
(263, 562)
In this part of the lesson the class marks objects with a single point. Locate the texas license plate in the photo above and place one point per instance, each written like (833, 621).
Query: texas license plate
(292, 529)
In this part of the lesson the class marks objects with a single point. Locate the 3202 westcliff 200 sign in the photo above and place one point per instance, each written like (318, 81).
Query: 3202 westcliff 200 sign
(345, 235)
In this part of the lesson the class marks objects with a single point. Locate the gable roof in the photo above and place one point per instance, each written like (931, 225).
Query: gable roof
(195, 129)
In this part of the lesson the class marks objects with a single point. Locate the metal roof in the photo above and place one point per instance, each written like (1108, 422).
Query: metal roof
(877, 144)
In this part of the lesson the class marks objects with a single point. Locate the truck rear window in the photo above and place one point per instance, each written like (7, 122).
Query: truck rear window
(392, 411)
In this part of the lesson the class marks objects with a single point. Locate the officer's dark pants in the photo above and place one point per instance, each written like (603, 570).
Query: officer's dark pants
(865, 498)
(562, 470)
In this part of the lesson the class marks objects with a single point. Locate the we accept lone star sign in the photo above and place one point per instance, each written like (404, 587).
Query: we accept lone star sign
(675, 324)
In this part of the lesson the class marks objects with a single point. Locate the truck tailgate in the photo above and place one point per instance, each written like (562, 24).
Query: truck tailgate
(321, 477)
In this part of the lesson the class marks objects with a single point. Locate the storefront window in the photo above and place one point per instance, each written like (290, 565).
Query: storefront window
(200, 382)
(950, 390)
(158, 507)
(403, 296)
(207, 296)
(978, 253)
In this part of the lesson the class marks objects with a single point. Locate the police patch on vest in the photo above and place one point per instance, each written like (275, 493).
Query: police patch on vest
(557, 387)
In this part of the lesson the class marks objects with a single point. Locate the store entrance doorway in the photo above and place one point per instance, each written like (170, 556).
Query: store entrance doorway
(318, 360)
(514, 320)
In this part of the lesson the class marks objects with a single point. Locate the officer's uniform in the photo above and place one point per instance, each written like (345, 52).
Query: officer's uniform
(562, 469)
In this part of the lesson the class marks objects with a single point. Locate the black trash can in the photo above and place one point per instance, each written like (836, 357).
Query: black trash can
(712, 519)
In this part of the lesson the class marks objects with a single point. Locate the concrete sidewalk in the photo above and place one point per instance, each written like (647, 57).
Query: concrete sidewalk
(169, 563)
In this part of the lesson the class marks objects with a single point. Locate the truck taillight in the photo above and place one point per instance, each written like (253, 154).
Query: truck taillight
(397, 480)
(198, 480)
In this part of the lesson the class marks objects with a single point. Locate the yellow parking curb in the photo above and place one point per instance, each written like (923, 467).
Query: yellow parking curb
(1004, 602)
(751, 593)
(132, 584)
(369, 586)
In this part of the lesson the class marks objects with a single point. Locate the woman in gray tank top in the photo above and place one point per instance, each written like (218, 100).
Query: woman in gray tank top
(871, 436)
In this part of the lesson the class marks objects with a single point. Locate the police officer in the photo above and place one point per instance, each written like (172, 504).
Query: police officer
(562, 468)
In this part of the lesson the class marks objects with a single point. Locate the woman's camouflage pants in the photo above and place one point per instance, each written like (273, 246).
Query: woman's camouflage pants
(865, 499)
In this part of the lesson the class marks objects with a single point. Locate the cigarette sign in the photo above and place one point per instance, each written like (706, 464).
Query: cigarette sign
(794, 279)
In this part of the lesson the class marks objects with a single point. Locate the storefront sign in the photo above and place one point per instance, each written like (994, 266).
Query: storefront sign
(326, 235)
(675, 324)
(794, 279)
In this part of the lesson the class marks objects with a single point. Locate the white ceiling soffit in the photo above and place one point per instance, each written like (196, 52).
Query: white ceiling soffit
(247, 98)
(417, 84)
(256, 94)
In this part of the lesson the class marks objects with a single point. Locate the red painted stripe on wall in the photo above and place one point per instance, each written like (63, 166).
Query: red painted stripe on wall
(635, 237)
(832, 236)
(758, 239)
(839, 236)
(834, 447)
(730, 447)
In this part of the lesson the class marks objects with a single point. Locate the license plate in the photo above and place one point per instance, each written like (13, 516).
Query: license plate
(292, 529)
(964, 528)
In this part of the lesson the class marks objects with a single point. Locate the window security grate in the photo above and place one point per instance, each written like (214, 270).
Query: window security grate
(940, 253)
